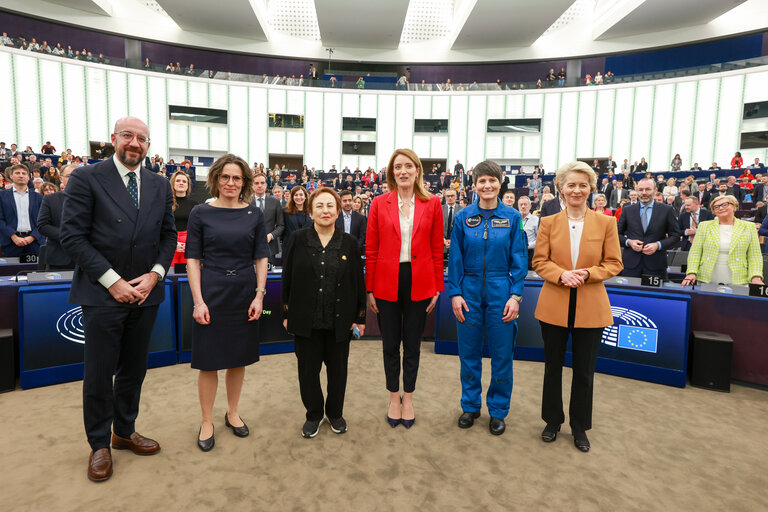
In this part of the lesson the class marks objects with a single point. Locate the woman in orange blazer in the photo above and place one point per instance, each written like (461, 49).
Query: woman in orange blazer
(403, 273)
(576, 250)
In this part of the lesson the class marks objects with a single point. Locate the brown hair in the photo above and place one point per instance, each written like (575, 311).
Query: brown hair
(246, 193)
(418, 185)
(322, 190)
(189, 185)
(48, 185)
(290, 206)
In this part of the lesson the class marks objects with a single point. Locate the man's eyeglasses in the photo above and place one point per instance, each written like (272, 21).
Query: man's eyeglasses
(223, 178)
(128, 136)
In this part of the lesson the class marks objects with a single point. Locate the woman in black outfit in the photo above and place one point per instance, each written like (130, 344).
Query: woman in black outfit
(326, 262)
(227, 268)
(295, 216)
(181, 186)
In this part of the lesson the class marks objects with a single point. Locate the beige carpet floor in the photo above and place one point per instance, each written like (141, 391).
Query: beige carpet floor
(653, 448)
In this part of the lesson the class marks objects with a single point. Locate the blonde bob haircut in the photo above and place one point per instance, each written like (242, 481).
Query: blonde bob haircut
(418, 186)
(728, 198)
(579, 167)
(246, 193)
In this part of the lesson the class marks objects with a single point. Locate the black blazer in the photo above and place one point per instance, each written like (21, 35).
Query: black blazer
(293, 223)
(685, 223)
(49, 223)
(357, 228)
(663, 227)
(301, 273)
(761, 214)
(9, 220)
(757, 194)
(550, 207)
(102, 229)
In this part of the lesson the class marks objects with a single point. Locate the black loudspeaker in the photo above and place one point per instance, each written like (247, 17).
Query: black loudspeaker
(712, 355)
(7, 361)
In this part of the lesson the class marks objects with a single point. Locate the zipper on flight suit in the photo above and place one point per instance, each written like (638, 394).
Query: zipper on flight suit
(485, 250)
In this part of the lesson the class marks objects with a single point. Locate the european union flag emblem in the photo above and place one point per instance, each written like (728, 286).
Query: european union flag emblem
(638, 338)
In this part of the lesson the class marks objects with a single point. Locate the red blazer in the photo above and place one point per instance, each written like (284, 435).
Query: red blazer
(382, 248)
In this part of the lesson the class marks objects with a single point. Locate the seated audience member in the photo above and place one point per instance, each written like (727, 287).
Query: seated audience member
(703, 194)
(632, 196)
(725, 250)
(658, 197)
(181, 187)
(295, 215)
(690, 219)
(761, 190)
(530, 225)
(19, 209)
(601, 205)
(757, 164)
(671, 189)
(49, 224)
(509, 198)
(714, 167)
(48, 188)
(696, 167)
(350, 221)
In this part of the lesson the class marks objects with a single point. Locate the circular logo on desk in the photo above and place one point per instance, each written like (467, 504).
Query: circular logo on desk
(624, 316)
(70, 325)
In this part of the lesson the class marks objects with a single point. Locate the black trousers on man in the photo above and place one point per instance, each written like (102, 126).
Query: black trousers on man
(116, 343)
(311, 352)
(402, 321)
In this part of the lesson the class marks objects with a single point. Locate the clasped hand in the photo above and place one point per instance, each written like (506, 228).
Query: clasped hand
(135, 290)
(574, 278)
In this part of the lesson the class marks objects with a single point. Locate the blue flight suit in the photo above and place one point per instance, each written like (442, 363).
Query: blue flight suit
(488, 262)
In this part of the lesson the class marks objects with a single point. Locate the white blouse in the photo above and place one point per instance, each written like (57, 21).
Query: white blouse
(406, 229)
(576, 229)
(722, 271)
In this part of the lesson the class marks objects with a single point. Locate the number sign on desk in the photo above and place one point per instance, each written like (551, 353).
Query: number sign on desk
(758, 290)
(648, 280)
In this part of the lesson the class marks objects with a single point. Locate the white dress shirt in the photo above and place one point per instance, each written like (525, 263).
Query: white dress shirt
(22, 210)
(406, 229)
(576, 229)
(531, 228)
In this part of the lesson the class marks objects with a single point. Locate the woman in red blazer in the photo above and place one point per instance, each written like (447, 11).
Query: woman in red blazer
(403, 273)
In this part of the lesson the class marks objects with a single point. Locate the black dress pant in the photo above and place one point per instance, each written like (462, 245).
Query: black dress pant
(311, 352)
(402, 321)
(116, 343)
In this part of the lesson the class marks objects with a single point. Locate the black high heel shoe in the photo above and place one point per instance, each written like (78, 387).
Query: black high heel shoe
(549, 434)
(407, 423)
(581, 441)
(239, 431)
(205, 444)
(393, 422)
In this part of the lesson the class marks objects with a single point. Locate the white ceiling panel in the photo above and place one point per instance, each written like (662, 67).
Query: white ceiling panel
(361, 24)
(234, 18)
(94, 6)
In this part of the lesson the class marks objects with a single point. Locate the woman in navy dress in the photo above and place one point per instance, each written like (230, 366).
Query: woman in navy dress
(227, 268)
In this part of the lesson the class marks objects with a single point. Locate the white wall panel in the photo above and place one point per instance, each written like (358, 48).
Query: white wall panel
(277, 141)
(704, 123)
(137, 96)
(513, 146)
(476, 130)
(258, 120)
(27, 103)
(369, 105)
(550, 128)
(117, 97)
(178, 136)
(641, 122)
(99, 126)
(313, 129)
(198, 94)
(731, 107)
(422, 108)
(294, 142)
(198, 137)
(440, 106)
(494, 147)
(350, 105)
(568, 125)
(217, 95)
(332, 131)
(365, 161)
(604, 124)
(496, 105)
(420, 147)
(661, 143)
(219, 141)
(74, 109)
(278, 101)
(457, 130)
(439, 147)
(755, 89)
(531, 146)
(8, 105)
(295, 103)
(622, 125)
(177, 92)
(404, 121)
(682, 129)
(237, 129)
(515, 107)
(385, 130)
(585, 133)
(51, 104)
(157, 115)
(534, 104)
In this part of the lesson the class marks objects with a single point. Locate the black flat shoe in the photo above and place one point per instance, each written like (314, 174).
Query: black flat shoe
(467, 419)
(239, 431)
(497, 426)
(205, 444)
(549, 434)
(580, 441)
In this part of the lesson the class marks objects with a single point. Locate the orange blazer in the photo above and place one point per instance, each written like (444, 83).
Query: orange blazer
(382, 248)
(599, 253)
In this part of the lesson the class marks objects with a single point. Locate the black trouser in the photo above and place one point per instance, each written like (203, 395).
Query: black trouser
(402, 320)
(311, 352)
(642, 269)
(116, 342)
(585, 345)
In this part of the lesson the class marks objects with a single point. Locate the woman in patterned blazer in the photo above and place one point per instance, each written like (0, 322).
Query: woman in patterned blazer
(725, 250)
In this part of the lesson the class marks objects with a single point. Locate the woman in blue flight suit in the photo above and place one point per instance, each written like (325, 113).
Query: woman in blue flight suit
(487, 265)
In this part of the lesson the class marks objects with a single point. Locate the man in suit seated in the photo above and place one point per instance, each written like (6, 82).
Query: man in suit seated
(350, 221)
(19, 208)
(734, 189)
(450, 209)
(646, 231)
(703, 195)
(49, 224)
(690, 219)
(761, 190)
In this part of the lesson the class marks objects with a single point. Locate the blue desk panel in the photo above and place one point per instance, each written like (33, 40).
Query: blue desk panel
(51, 335)
(273, 338)
(648, 341)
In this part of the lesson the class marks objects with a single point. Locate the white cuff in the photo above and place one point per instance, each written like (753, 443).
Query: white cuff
(109, 278)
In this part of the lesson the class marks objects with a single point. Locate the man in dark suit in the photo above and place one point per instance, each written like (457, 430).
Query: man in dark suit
(646, 231)
(19, 208)
(49, 224)
(606, 189)
(118, 228)
(550, 207)
(690, 219)
(273, 213)
(618, 193)
(734, 189)
(458, 168)
(703, 195)
(609, 165)
(350, 221)
(761, 190)
(450, 209)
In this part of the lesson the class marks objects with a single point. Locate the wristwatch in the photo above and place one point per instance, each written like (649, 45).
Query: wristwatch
(518, 298)
(159, 277)
(262, 290)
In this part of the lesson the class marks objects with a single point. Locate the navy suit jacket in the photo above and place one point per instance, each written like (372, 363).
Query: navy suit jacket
(550, 207)
(9, 220)
(102, 229)
(357, 226)
(663, 227)
(685, 223)
(49, 224)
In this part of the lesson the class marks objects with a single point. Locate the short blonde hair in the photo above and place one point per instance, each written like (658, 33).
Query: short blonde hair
(731, 199)
(579, 167)
(600, 196)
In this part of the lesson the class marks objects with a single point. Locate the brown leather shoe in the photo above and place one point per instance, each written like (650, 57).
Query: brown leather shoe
(137, 443)
(100, 465)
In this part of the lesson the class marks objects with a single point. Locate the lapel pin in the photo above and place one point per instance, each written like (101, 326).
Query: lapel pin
(344, 256)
